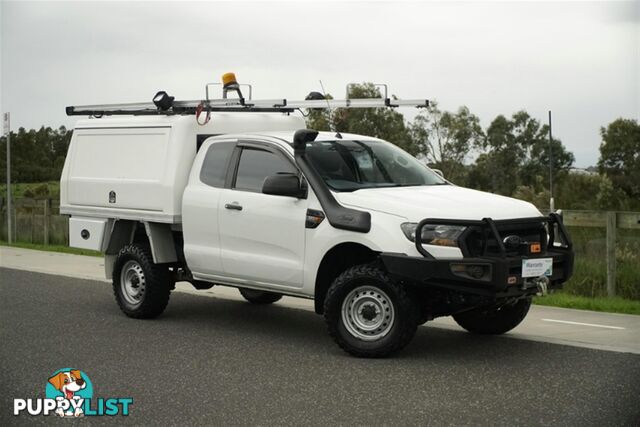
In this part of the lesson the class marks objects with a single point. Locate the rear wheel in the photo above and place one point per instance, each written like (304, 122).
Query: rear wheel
(259, 297)
(141, 287)
(494, 320)
(368, 314)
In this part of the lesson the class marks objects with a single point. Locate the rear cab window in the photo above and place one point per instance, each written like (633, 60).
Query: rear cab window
(216, 163)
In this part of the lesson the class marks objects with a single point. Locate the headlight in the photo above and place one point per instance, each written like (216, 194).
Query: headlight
(442, 235)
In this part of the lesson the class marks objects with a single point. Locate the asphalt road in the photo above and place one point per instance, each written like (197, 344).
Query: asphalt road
(222, 362)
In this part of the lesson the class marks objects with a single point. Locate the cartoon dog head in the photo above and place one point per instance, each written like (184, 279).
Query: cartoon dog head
(68, 382)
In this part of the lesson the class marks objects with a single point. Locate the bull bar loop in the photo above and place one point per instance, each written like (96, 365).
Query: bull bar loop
(489, 225)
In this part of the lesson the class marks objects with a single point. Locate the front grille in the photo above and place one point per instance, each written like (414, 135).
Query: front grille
(480, 241)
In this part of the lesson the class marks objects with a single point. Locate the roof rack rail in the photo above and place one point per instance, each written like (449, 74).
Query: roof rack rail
(238, 105)
(178, 107)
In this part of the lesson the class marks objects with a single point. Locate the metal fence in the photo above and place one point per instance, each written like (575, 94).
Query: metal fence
(607, 244)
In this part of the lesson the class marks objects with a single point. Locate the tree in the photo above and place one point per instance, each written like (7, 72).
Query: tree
(517, 153)
(610, 197)
(577, 191)
(534, 140)
(537, 164)
(36, 155)
(620, 155)
(445, 139)
(503, 158)
(480, 174)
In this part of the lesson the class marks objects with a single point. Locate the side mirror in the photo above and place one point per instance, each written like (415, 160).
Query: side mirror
(439, 172)
(284, 185)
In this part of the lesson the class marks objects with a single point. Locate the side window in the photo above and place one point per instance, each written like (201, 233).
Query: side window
(214, 166)
(255, 165)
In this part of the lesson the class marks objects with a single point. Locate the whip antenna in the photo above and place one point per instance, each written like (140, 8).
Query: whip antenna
(331, 123)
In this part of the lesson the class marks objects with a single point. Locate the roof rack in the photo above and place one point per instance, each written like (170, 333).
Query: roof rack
(236, 105)
(163, 104)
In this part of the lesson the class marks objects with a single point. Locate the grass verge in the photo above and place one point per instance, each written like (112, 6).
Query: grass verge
(51, 248)
(606, 304)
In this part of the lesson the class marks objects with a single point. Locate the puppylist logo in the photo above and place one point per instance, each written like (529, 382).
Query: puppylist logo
(69, 393)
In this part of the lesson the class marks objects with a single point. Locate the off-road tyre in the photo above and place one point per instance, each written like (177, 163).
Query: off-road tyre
(259, 297)
(138, 261)
(494, 321)
(378, 287)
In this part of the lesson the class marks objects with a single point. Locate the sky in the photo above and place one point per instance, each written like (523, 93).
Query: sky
(581, 60)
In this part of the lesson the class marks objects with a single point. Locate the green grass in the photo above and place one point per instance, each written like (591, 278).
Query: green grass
(606, 304)
(18, 189)
(51, 248)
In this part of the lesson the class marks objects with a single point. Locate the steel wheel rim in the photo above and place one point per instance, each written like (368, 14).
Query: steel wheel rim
(367, 313)
(132, 282)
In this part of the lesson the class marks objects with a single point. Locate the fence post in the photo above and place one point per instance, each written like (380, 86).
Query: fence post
(45, 219)
(14, 222)
(3, 216)
(611, 254)
(33, 219)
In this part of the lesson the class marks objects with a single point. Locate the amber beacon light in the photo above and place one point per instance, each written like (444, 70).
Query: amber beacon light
(229, 83)
(229, 79)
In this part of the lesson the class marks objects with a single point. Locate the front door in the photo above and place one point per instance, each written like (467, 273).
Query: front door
(261, 236)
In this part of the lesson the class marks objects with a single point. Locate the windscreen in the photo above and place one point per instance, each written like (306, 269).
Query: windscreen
(354, 165)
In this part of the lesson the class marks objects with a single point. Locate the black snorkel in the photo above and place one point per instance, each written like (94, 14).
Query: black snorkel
(338, 215)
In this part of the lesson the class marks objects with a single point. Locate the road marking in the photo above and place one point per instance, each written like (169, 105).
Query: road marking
(583, 324)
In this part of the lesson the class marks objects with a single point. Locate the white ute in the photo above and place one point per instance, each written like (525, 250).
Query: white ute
(236, 192)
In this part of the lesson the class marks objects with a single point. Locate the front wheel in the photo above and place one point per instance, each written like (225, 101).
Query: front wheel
(494, 320)
(141, 287)
(368, 314)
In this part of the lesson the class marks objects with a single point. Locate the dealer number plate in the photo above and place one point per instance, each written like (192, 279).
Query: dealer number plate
(537, 267)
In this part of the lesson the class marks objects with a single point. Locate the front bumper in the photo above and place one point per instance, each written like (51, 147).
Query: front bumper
(499, 272)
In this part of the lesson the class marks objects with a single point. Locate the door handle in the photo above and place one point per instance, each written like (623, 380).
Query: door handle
(234, 206)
